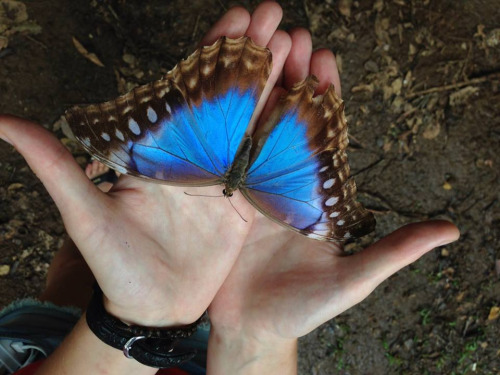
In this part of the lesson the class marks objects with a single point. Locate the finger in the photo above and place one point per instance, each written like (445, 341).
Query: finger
(399, 249)
(279, 45)
(265, 20)
(298, 62)
(233, 24)
(324, 66)
(63, 178)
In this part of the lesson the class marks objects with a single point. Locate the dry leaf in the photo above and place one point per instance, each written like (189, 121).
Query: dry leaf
(4, 269)
(4, 42)
(494, 313)
(11, 13)
(345, 8)
(363, 87)
(88, 55)
(15, 186)
(493, 38)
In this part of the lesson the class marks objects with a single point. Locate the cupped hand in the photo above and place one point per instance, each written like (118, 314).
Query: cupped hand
(283, 284)
(159, 255)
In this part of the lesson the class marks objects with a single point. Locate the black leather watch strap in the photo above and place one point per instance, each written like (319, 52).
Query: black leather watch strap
(153, 347)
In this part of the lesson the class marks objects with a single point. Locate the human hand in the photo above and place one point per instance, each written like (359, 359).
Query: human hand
(284, 285)
(159, 256)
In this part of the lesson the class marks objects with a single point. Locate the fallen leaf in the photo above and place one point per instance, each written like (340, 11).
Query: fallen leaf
(15, 186)
(4, 269)
(494, 313)
(363, 87)
(493, 38)
(4, 42)
(345, 8)
(11, 13)
(88, 55)
(447, 186)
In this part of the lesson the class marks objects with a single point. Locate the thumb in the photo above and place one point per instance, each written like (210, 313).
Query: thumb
(54, 165)
(397, 250)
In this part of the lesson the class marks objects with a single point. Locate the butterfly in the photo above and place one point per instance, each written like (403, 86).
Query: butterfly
(190, 128)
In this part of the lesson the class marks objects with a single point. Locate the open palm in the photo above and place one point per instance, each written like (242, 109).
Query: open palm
(284, 285)
(159, 255)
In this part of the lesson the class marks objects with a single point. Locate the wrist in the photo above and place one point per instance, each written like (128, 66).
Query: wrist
(249, 354)
(83, 353)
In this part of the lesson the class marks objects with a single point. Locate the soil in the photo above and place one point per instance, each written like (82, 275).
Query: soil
(421, 85)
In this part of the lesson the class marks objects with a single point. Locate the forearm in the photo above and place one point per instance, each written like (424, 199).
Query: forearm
(241, 356)
(83, 353)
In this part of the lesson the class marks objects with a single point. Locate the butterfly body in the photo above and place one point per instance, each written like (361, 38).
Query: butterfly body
(236, 174)
(191, 129)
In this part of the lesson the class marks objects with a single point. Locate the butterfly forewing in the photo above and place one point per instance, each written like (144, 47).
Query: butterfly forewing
(299, 175)
(186, 128)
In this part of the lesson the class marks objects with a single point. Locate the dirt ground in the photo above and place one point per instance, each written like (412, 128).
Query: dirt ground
(421, 86)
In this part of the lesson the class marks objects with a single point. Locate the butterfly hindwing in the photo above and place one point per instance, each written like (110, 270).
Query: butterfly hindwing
(185, 128)
(299, 175)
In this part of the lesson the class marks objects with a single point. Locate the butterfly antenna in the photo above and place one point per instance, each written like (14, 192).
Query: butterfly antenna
(203, 195)
(232, 205)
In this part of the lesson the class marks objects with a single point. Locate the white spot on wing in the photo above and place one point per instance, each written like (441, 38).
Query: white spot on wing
(347, 235)
(169, 110)
(152, 116)
(334, 214)
(119, 135)
(340, 222)
(86, 141)
(120, 169)
(315, 236)
(105, 136)
(329, 183)
(324, 168)
(331, 201)
(134, 126)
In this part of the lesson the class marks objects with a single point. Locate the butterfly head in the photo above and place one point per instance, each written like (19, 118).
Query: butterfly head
(228, 192)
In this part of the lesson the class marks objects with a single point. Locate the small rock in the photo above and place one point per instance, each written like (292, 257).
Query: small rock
(409, 344)
(4, 269)
(445, 253)
(129, 59)
(447, 186)
(371, 66)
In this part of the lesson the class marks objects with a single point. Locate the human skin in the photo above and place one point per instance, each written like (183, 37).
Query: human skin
(284, 285)
(266, 285)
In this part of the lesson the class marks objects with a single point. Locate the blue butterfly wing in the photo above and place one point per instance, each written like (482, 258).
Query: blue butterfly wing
(299, 175)
(186, 128)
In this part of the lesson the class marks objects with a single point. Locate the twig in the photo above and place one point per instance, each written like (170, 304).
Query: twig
(195, 29)
(473, 81)
(36, 41)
